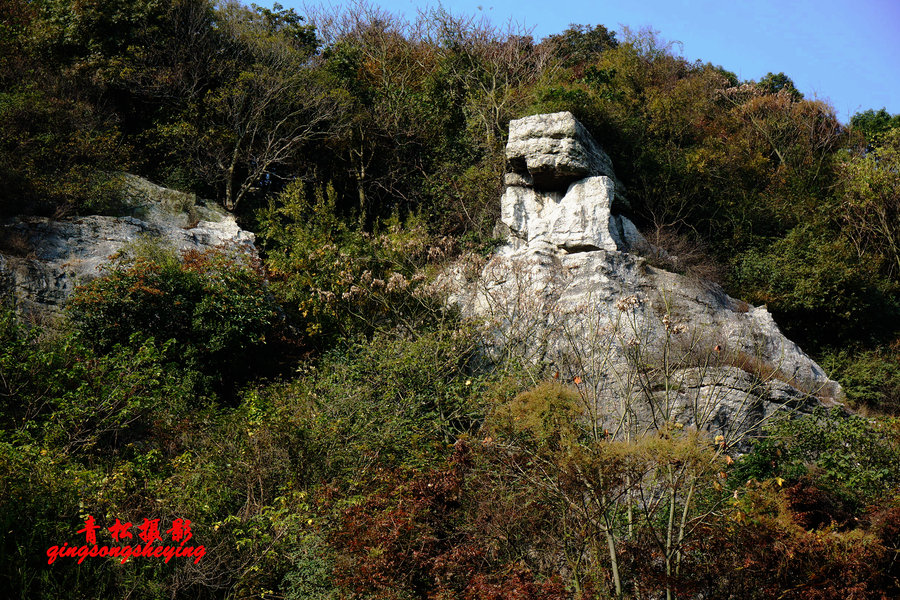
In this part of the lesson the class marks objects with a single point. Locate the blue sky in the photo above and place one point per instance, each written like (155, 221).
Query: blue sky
(847, 52)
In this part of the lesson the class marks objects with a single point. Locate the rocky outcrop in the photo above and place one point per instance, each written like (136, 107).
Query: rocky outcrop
(578, 220)
(561, 188)
(570, 296)
(42, 260)
(553, 150)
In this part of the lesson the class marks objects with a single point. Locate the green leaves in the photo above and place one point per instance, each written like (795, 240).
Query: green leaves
(805, 275)
(870, 378)
(857, 459)
(213, 305)
(774, 83)
(59, 392)
(874, 124)
(51, 151)
(870, 201)
(339, 282)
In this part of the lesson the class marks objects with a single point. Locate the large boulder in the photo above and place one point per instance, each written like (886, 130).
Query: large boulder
(578, 220)
(555, 149)
(561, 188)
(42, 260)
(569, 296)
(550, 151)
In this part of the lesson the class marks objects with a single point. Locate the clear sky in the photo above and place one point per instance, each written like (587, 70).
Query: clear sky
(847, 52)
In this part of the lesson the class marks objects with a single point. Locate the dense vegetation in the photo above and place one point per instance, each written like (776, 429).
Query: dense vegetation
(328, 428)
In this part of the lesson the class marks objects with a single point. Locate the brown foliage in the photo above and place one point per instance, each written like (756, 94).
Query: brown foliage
(674, 251)
(516, 584)
(813, 508)
(401, 539)
(774, 553)
(414, 537)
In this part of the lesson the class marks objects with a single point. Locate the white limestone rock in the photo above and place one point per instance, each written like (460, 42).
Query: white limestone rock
(609, 318)
(553, 150)
(578, 220)
(42, 260)
(569, 294)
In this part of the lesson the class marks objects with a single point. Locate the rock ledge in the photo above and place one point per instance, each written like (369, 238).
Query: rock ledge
(42, 260)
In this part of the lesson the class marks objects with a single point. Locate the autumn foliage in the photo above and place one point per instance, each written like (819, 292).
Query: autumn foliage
(329, 427)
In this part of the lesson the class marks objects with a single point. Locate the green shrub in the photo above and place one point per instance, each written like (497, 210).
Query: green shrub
(42, 500)
(340, 282)
(81, 433)
(871, 379)
(53, 156)
(548, 416)
(58, 391)
(214, 304)
(818, 289)
(388, 402)
(855, 458)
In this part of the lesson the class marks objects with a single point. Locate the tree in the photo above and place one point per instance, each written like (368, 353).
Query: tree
(271, 101)
(871, 201)
(580, 44)
(874, 123)
(488, 65)
(773, 83)
(381, 66)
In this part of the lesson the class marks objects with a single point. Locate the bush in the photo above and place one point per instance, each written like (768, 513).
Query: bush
(779, 552)
(53, 155)
(548, 416)
(60, 392)
(81, 433)
(388, 402)
(871, 379)
(854, 458)
(214, 304)
(809, 279)
(340, 282)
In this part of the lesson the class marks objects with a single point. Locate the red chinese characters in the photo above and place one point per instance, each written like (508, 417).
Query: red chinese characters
(119, 531)
(90, 530)
(181, 530)
(149, 531)
(150, 544)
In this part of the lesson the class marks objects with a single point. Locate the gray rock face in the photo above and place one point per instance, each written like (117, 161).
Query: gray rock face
(578, 220)
(555, 150)
(561, 188)
(42, 260)
(569, 297)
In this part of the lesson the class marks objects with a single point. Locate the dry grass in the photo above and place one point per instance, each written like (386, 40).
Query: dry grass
(16, 243)
(676, 252)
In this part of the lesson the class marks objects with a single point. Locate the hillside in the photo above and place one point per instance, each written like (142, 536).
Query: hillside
(337, 306)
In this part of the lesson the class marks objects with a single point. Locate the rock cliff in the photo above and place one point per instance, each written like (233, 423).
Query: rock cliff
(569, 296)
(42, 260)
